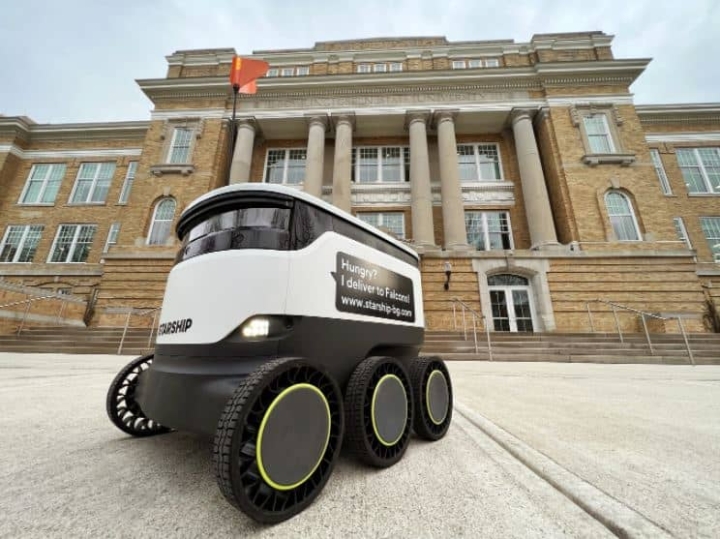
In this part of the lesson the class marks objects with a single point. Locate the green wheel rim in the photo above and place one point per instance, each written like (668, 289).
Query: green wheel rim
(263, 424)
(427, 397)
(385, 379)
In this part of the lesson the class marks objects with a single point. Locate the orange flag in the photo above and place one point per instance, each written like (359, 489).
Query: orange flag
(245, 71)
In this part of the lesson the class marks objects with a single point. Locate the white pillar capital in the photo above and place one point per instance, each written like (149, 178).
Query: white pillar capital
(520, 113)
(317, 119)
(412, 116)
(444, 115)
(339, 118)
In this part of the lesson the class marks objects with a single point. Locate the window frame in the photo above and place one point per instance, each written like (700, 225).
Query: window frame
(681, 231)
(154, 221)
(382, 215)
(93, 186)
(73, 244)
(609, 135)
(287, 71)
(486, 230)
(379, 68)
(112, 236)
(710, 189)
(272, 72)
(21, 244)
(660, 172)
(715, 255)
(302, 71)
(392, 65)
(635, 222)
(45, 181)
(173, 140)
(478, 169)
(459, 64)
(364, 68)
(128, 182)
(286, 161)
(404, 164)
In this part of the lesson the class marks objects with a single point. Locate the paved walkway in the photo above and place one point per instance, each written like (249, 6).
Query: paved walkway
(635, 444)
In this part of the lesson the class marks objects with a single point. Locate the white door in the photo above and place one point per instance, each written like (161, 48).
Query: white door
(511, 304)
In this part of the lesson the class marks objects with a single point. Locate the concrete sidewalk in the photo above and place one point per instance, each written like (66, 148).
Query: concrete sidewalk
(67, 472)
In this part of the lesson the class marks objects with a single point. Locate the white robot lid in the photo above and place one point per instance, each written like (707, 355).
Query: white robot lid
(294, 192)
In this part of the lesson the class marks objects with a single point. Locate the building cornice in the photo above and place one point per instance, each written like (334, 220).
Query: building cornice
(621, 72)
(679, 113)
(32, 132)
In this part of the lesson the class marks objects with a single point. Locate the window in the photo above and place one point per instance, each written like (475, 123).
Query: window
(303, 71)
(162, 222)
(711, 229)
(390, 221)
(286, 166)
(396, 66)
(383, 164)
(20, 243)
(127, 184)
(489, 230)
(72, 243)
(475, 63)
(660, 171)
(180, 145)
(43, 184)
(478, 162)
(379, 68)
(700, 168)
(363, 68)
(64, 291)
(681, 231)
(622, 216)
(272, 72)
(112, 236)
(598, 133)
(287, 72)
(93, 183)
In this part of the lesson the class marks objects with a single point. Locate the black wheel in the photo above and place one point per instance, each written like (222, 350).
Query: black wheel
(122, 408)
(378, 411)
(278, 439)
(433, 394)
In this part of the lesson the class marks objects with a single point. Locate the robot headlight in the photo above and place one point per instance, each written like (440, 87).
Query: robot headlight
(261, 327)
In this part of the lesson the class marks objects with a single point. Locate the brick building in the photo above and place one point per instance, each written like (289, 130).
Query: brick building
(527, 166)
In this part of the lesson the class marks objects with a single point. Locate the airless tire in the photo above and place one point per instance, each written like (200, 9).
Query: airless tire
(433, 394)
(379, 411)
(278, 439)
(122, 408)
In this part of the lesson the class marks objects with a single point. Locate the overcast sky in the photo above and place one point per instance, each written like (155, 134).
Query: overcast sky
(70, 60)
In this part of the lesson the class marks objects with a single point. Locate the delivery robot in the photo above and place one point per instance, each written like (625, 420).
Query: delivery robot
(288, 328)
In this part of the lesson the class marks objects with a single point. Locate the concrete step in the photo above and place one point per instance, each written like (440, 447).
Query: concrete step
(564, 358)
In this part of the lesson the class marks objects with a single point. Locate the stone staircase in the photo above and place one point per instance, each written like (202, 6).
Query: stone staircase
(575, 347)
(554, 347)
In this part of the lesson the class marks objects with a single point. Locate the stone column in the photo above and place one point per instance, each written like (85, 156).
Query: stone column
(342, 187)
(452, 203)
(242, 156)
(315, 155)
(537, 203)
(423, 230)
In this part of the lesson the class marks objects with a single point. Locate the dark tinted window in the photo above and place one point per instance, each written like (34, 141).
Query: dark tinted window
(366, 238)
(309, 223)
(243, 228)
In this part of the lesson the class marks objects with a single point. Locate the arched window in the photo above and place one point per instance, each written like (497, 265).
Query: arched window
(622, 216)
(162, 222)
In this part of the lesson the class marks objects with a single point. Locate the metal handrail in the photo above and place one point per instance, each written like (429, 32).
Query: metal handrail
(139, 312)
(642, 314)
(475, 316)
(29, 301)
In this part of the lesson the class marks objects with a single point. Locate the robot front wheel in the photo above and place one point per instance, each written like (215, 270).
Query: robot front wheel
(121, 406)
(278, 439)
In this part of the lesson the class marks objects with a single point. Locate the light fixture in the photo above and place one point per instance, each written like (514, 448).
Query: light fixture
(256, 327)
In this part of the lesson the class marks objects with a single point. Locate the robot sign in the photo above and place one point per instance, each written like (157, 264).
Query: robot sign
(369, 289)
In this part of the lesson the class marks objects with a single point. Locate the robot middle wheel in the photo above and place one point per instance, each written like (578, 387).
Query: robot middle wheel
(121, 406)
(278, 439)
(379, 411)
